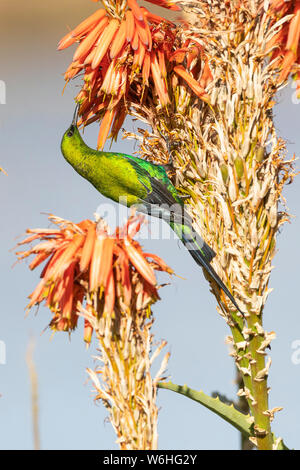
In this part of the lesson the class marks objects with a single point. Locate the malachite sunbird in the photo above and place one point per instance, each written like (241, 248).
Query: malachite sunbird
(135, 182)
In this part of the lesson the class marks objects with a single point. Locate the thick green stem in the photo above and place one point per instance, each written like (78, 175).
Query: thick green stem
(251, 362)
(259, 375)
(243, 406)
(250, 359)
(242, 358)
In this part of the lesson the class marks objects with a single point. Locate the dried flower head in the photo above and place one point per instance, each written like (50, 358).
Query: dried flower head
(85, 263)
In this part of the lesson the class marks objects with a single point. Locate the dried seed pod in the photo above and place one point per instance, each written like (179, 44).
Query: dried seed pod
(253, 232)
(245, 147)
(260, 154)
(232, 189)
(273, 216)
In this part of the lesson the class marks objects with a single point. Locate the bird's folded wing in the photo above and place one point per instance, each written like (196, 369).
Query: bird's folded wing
(160, 202)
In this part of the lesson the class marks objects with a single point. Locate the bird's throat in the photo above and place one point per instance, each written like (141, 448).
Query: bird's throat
(81, 157)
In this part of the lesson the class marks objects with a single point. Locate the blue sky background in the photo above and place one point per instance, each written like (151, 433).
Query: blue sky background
(39, 180)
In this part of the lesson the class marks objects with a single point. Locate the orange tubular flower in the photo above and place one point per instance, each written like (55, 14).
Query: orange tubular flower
(85, 264)
(285, 44)
(166, 4)
(193, 84)
(119, 56)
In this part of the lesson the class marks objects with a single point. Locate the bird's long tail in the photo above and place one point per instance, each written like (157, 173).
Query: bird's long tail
(202, 254)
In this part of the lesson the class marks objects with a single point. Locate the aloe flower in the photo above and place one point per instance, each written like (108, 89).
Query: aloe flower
(284, 45)
(83, 262)
(121, 49)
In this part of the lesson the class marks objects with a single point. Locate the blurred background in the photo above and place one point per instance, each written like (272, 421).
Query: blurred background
(39, 181)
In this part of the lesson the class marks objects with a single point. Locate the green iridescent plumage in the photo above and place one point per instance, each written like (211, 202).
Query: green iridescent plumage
(132, 181)
(114, 174)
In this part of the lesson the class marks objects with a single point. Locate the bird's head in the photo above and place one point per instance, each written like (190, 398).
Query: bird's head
(72, 131)
(71, 137)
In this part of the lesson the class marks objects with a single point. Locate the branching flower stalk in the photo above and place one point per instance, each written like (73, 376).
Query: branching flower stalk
(110, 282)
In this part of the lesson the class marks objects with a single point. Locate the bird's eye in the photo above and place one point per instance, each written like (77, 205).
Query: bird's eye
(70, 131)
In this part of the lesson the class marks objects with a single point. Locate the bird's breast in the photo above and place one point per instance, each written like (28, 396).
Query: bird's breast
(118, 180)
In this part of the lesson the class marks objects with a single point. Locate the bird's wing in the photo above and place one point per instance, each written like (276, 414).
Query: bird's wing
(160, 202)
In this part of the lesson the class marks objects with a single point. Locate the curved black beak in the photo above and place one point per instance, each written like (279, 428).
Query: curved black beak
(75, 116)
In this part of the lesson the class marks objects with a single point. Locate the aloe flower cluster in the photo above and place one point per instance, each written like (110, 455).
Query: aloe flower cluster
(83, 263)
(122, 49)
(284, 45)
